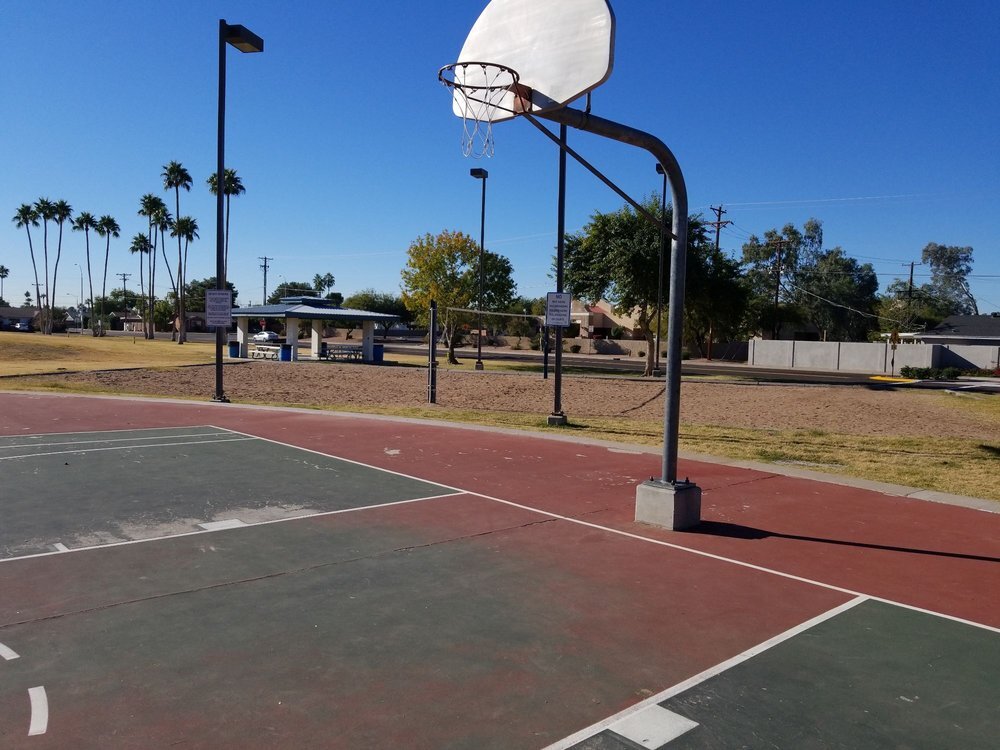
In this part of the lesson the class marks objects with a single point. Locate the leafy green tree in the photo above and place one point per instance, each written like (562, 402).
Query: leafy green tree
(26, 217)
(106, 227)
(769, 265)
(716, 299)
(950, 269)
(616, 256)
(85, 222)
(290, 289)
(194, 293)
(233, 187)
(445, 269)
(380, 302)
(838, 295)
(175, 177)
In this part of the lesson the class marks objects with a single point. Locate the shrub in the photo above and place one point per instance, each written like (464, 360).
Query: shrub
(640, 354)
(574, 348)
(930, 373)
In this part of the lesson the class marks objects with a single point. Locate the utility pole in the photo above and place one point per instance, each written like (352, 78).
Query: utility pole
(124, 277)
(777, 284)
(718, 223)
(264, 265)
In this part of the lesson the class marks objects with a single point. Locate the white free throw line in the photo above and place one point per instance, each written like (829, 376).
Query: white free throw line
(8, 653)
(108, 440)
(123, 448)
(60, 547)
(39, 711)
(702, 676)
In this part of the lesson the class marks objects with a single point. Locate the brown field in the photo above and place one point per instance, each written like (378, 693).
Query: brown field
(927, 439)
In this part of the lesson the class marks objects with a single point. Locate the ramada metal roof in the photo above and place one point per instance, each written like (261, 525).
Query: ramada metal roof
(310, 308)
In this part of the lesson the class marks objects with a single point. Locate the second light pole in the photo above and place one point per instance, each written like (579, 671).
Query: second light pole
(481, 174)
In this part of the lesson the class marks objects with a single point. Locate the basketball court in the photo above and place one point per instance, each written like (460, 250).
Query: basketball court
(220, 576)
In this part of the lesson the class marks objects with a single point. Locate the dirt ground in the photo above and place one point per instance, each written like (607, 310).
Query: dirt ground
(837, 409)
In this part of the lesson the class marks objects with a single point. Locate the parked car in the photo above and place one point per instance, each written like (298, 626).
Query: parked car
(265, 336)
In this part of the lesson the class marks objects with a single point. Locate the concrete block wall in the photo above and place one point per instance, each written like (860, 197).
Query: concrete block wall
(871, 358)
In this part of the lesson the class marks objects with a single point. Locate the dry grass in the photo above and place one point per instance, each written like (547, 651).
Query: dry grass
(959, 465)
(33, 353)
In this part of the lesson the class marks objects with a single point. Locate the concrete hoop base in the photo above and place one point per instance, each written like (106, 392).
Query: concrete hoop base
(557, 420)
(674, 506)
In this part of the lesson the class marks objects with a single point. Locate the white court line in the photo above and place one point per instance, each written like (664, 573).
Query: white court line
(549, 514)
(109, 440)
(349, 461)
(8, 653)
(39, 711)
(638, 537)
(122, 448)
(60, 547)
(128, 542)
(707, 674)
(109, 432)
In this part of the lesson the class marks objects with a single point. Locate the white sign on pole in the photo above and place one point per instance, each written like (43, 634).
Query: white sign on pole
(219, 307)
(557, 309)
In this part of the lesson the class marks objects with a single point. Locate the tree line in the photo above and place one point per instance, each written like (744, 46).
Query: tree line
(144, 244)
(786, 278)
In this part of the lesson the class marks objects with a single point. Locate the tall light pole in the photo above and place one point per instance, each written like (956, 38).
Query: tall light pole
(244, 40)
(659, 278)
(80, 306)
(481, 174)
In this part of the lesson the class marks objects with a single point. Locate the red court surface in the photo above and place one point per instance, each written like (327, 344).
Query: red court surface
(514, 608)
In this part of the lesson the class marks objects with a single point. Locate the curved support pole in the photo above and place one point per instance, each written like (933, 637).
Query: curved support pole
(678, 261)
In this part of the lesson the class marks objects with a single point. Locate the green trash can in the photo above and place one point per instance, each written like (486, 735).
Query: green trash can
(285, 355)
(234, 349)
(378, 353)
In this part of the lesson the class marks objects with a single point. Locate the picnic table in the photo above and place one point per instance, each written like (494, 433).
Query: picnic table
(340, 351)
(264, 351)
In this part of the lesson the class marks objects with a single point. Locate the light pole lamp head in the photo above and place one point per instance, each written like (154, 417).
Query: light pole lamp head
(659, 168)
(242, 38)
(479, 173)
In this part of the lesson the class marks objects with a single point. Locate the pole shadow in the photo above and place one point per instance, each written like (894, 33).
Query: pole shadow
(737, 531)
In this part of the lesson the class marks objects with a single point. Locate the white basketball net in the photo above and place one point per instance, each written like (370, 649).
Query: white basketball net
(480, 90)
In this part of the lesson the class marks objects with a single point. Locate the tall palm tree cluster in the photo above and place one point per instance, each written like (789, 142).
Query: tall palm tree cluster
(159, 221)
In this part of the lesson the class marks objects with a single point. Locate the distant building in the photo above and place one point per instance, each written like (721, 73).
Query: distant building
(19, 318)
(970, 330)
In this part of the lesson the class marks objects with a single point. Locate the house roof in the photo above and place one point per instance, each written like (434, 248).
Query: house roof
(17, 312)
(966, 326)
(310, 308)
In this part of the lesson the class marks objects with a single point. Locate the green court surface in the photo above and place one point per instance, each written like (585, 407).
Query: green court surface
(875, 675)
(83, 489)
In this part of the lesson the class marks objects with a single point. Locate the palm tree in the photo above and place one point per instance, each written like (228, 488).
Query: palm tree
(106, 227)
(61, 212)
(185, 228)
(162, 221)
(140, 244)
(175, 177)
(45, 210)
(84, 222)
(233, 186)
(27, 217)
(149, 206)
(4, 273)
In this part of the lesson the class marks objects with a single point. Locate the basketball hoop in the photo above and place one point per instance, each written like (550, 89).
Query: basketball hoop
(481, 91)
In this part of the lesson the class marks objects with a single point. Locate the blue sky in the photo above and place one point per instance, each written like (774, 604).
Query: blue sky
(879, 118)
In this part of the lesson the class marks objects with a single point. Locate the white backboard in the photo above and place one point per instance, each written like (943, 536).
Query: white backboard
(561, 49)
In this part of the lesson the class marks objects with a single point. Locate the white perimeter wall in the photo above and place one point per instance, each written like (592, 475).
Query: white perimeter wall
(875, 359)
